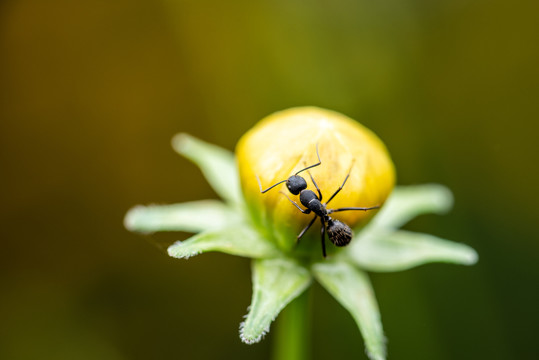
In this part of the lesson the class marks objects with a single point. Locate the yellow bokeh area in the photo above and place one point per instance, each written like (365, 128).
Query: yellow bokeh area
(285, 142)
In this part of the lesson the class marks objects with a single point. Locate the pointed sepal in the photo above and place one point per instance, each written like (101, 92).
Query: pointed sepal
(217, 164)
(195, 216)
(352, 288)
(276, 282)
(407, 202)
(402, 250)
(240, 240)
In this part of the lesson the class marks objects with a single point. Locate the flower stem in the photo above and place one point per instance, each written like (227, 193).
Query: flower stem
(292, 336)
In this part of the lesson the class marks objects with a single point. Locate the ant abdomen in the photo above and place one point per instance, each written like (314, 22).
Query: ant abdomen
(339, 233)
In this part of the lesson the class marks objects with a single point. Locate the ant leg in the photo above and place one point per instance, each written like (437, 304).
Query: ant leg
(316, 186)
(306, 211)
(323, 236)
(305, 230)
(318, 163)
(271, 187)
(353, 208)
(344, 182)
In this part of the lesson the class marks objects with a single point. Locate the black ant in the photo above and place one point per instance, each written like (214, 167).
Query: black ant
(339, 233)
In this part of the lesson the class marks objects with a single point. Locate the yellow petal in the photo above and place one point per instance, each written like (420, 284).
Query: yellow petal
(285, 142)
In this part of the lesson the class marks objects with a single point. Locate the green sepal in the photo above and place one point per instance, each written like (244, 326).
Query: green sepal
(353, 290)
(276, 282)
(240, 240)
(192, 217)
(217, 164)
(407, 202)
(401, 250)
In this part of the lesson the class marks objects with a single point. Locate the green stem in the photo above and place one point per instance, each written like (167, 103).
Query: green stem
(292, 335)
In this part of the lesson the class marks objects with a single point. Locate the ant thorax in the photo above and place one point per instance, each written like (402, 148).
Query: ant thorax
(309, 199)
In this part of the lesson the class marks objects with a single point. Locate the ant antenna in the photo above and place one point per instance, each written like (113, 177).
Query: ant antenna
(292, 179)
(271, 187)
(309, 167)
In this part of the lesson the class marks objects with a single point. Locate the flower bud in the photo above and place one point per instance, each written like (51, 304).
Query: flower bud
(285, 142)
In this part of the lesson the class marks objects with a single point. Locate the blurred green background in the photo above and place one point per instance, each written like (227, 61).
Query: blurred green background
(93, 91)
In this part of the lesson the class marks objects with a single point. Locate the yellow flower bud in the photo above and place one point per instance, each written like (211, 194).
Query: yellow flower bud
(285, 142)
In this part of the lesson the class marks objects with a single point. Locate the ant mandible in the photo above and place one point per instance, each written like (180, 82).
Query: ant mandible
(338, 232)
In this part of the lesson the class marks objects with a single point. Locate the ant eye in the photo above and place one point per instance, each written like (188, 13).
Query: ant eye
(295, 184)
(339, 233)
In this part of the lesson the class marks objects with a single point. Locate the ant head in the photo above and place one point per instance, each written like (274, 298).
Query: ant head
(295, 184)
(339, 233)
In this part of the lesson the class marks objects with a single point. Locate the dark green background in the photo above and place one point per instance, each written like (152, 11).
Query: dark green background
(93, 91)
